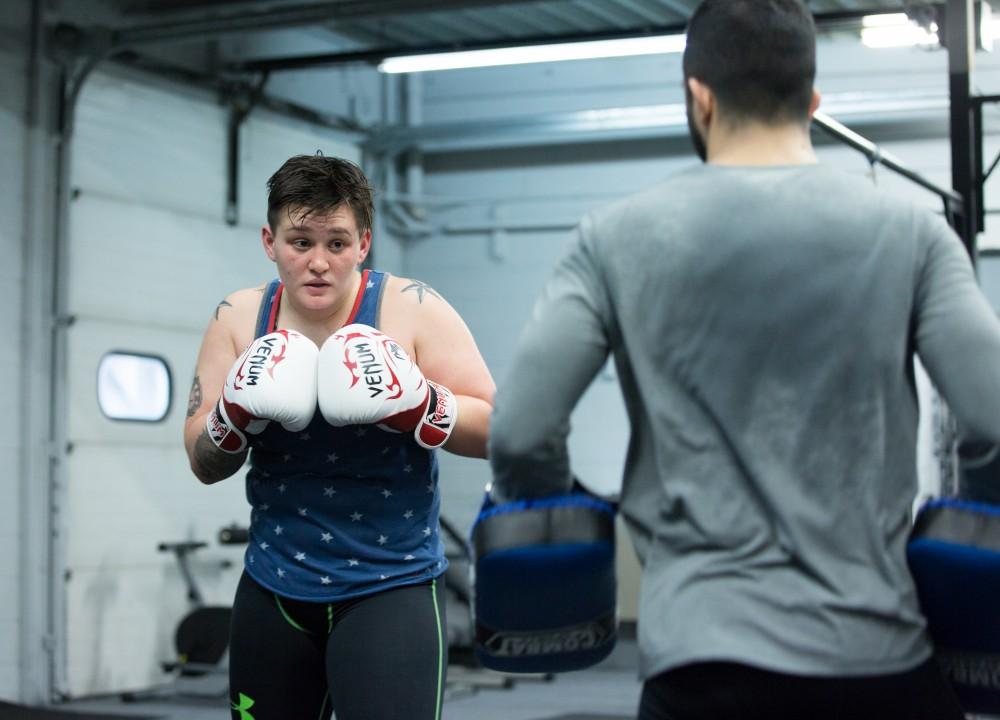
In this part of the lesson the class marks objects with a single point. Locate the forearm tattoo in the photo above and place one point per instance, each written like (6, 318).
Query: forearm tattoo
(420, 288)
(213, 464)
(194, 398)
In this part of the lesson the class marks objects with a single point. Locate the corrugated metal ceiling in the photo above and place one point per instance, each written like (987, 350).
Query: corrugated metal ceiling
(190, 39)
(506, 22)
(387, 25)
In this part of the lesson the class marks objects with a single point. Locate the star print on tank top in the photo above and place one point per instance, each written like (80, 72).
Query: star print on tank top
(340, 512)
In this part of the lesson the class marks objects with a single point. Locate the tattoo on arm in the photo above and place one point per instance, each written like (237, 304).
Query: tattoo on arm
(213, 464)
(420, 288)
(224, 303)
(194, 399)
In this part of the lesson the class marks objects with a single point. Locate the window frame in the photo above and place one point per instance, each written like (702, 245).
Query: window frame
(146, 356)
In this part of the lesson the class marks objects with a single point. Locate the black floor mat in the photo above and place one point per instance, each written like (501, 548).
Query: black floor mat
(21, 712)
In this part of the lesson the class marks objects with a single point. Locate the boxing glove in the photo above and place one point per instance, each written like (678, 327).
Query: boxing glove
(274, 379)
(366, 377)
(544, 587)
(954, 558)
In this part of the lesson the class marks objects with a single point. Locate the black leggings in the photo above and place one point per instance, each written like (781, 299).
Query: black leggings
(377, 657)
(727, 691)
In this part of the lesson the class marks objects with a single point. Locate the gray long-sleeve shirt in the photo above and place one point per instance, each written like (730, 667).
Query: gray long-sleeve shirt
(763, 323)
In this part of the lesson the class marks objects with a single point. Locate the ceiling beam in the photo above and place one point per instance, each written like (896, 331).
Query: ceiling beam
(291, 16)
(376, 55)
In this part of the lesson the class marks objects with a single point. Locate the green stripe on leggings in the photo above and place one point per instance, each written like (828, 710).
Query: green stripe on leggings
(440, 678)
(289, 617)
(322, 708)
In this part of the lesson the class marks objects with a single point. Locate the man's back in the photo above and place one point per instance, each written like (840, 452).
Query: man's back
(764, 342)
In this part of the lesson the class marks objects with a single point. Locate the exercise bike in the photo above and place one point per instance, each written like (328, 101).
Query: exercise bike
(201, 639)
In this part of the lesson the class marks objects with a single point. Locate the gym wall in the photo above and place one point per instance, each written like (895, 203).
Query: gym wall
(150, 257)
(13, 143)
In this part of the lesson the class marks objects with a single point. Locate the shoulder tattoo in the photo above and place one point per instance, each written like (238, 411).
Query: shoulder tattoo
(224, 303)
(420, 288)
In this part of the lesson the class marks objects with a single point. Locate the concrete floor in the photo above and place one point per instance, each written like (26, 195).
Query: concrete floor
(609, 691)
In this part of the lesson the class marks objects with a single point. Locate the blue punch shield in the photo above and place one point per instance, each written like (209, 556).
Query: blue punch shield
(954, 555)
(545, 591)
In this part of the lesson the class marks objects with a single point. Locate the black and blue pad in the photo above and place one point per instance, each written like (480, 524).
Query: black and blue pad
(544, 582)
(954, 556)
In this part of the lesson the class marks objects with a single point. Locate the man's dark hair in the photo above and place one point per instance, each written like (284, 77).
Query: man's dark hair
(757, 56)
(316, 183)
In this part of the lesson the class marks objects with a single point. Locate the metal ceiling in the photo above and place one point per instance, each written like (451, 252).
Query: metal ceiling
(236, 47)
(367, 30)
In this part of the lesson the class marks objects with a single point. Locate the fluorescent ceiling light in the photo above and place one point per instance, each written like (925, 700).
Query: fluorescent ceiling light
(896, 30)
(652, 45)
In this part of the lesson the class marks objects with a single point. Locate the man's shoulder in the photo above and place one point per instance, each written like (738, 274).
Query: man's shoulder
(702, 187)
(663, 199)
(668, 189)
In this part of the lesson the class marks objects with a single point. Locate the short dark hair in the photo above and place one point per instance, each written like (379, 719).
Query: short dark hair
(757, 56)
(317, 183)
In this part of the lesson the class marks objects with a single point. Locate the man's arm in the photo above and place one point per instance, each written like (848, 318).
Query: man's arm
(447, 353)
(217, 354)
(562, 348)
(958, 334)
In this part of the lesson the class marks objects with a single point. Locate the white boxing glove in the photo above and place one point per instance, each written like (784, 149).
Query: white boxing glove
(274, 379)
(366, 377)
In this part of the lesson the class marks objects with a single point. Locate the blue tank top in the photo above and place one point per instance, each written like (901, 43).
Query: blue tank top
(340, 512)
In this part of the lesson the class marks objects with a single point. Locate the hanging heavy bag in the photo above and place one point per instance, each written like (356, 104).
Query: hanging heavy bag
(954, 556)
(545, 596)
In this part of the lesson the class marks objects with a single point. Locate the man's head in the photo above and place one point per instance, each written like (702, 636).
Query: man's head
(758, 59)
(319, 184)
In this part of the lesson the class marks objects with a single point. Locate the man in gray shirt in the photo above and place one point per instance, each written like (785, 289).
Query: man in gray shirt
(763, 312)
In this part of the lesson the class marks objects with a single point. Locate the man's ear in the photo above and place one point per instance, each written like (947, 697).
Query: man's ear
(267, 239)
(703, 100)
(814, 103)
